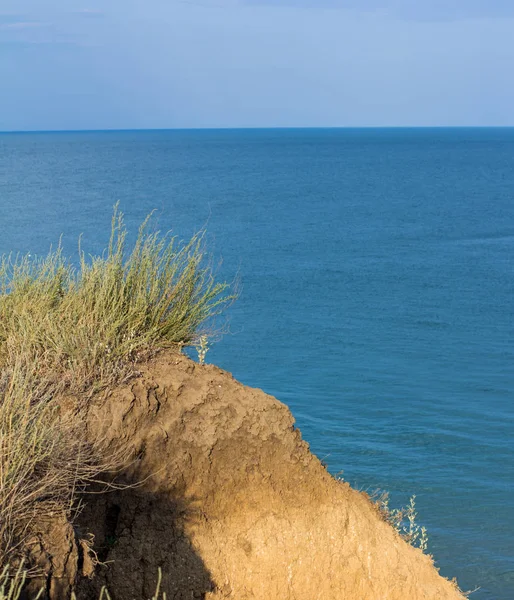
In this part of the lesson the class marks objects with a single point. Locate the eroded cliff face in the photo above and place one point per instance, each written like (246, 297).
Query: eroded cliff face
(230, 503)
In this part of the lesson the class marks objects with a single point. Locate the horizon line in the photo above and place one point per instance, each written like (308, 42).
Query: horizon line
(253, 128)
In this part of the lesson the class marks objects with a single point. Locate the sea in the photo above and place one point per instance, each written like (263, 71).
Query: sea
(376, 273)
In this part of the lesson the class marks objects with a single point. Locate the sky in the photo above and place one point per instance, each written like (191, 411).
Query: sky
(130, 64)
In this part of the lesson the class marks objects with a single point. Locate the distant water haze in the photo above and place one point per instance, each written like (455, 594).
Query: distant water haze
(377, 300)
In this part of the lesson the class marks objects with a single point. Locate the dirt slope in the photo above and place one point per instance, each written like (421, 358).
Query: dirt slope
(234, 504)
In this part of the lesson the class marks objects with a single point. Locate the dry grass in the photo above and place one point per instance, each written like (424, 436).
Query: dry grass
(11, 586)
(85, 325)
(45, 459)
(74, 330)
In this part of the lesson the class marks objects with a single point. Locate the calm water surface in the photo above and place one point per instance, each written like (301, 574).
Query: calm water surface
(378, 288)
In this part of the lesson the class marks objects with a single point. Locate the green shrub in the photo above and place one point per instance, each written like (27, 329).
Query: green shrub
(88, 325)
(67, 330)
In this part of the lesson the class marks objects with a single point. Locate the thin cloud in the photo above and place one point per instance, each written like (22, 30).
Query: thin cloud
(212, 3)
(38, 43)
(7, 20)
(25, 32)
(18, 25)
(427, 10)
(90, 13)
(72, 28)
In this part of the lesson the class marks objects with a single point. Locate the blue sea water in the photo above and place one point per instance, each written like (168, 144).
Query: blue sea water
(377, 300)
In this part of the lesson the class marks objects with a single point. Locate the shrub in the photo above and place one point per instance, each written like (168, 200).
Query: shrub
(90, 325)
(75, 330)
(403, 520)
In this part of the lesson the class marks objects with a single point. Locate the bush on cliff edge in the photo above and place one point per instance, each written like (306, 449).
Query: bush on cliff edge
(75, 330)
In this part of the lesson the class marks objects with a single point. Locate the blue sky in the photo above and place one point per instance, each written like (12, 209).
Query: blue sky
(107, 64)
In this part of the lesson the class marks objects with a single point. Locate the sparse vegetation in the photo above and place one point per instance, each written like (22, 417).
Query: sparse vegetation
(43, 458)
(403, 520)
(12, 586)
(71, 331)
(202, 347)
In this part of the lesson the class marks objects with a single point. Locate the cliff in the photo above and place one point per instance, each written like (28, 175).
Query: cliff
(227, 500)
